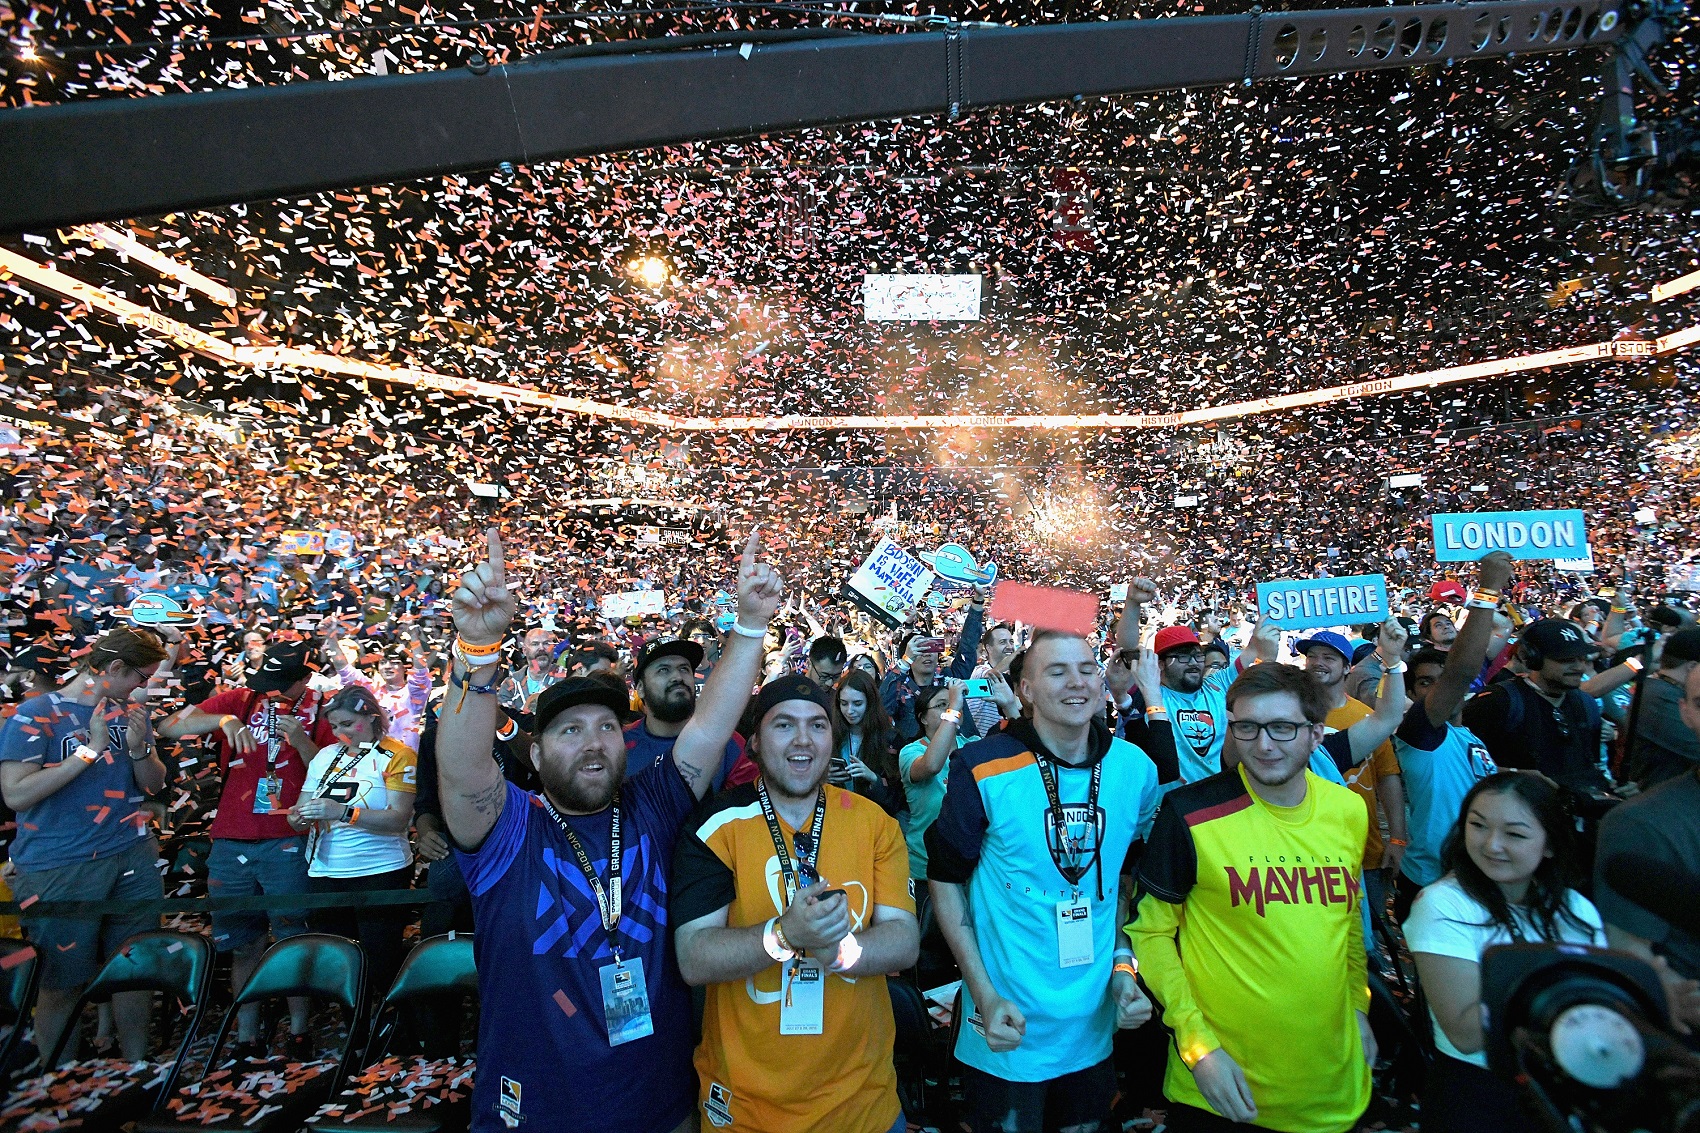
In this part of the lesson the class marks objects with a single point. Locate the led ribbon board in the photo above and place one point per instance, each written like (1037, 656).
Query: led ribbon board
(263, 357)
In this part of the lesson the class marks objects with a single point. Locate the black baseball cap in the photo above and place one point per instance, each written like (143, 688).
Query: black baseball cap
(793, 686)
(285, 663)
(574, 691)
(667, 647)
(1559, 639)
(1683, 645)
(1666, 617)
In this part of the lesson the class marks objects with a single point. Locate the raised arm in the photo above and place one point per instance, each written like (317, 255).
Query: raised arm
(727, 691)
(968, 645)
(472, 788)
(1622, 608)
(1391, 700)
(1140, 592)
(1265, 643)
(419, 679)
(1469, 649)
(943, 742)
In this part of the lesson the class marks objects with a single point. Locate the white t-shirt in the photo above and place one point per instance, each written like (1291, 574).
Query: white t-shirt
(1446, 921)
(371, 780)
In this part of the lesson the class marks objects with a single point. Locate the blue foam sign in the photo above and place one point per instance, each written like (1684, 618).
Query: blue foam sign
(954, 564)
(1312, 603)
(1466, 536)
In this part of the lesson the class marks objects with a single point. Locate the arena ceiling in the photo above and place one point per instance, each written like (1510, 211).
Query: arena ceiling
(1141, 253)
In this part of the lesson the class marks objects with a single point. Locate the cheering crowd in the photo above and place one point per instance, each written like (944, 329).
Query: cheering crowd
(769, 796)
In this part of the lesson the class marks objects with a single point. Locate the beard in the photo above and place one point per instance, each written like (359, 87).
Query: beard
(675, 705)
(568, 793)
(1190, 682)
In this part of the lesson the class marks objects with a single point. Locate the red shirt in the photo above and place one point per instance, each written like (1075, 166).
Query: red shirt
(242, 774)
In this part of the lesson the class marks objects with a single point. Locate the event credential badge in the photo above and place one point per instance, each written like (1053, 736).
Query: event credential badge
(802, 1011)
(625, 1002)
(267, 793)
(1074, 933)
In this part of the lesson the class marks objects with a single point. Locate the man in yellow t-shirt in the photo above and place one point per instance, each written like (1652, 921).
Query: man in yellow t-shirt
(793, 900)
(1248, 928)
(1376, 780)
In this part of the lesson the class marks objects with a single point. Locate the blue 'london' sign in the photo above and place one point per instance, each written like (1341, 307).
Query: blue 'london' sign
(1467, 536)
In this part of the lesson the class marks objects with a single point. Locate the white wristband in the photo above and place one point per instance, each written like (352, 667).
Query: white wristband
(743, 630)
(849, 951)
(86, 753)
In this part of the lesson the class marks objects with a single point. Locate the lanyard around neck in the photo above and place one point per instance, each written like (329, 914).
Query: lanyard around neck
(609, 899)
(1069, 849)
(792, 873)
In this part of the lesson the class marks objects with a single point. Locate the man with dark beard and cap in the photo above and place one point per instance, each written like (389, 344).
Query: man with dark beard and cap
(666, 676)
(793, 901)
(584, 1023)
(1195, 704)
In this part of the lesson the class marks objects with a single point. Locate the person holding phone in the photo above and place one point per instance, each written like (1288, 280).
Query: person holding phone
(861, 743)
(922, 763)
(792, 900)
(924, 655)
(988, 709)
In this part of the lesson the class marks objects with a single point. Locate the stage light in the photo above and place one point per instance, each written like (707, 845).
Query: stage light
(651, 271)
(28, 53)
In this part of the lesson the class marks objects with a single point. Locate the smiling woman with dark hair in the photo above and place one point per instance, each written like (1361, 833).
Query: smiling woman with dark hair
(1510, 862)
(862, 757)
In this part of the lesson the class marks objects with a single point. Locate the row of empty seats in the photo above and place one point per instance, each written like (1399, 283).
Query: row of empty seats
(354, 1085)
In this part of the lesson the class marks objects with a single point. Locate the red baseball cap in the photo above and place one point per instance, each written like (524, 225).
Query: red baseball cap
(1448, 590)
(1174, 637)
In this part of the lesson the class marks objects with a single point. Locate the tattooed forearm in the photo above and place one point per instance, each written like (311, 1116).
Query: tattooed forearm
(691, 772)
(488, 801)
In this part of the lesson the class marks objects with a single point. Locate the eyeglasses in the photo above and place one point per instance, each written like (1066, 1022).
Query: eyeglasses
(1279, 730)
(1192, 657)
(1561, 724)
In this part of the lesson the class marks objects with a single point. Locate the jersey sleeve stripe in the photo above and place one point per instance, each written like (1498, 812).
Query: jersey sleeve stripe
(721, 818)
(1220, 810)
(998, 766)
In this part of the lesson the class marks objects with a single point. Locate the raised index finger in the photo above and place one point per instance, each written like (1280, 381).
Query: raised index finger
(752, 548)
(498, 568)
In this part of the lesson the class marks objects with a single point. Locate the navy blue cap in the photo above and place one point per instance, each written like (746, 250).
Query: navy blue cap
(1329, 638)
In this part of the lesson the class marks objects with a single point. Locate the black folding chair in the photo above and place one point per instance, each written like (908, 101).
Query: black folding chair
(20, 974)
(265, 1096)
(912, 1052)
(1405, 1038)
(435, 1093)
(104, 1093)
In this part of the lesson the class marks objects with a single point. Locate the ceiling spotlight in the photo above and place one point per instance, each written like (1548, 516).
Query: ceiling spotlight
(28, 53)
(651, 271)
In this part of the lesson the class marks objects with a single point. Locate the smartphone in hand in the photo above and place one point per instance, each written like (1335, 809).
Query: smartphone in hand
(977, 686)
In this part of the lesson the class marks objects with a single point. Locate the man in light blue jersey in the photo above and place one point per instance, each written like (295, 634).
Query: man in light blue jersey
(1197, 704)
(1023, 863)
(1439, 758)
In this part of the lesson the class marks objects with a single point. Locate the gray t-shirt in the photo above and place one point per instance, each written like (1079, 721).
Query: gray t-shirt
(1665, 747)
(1664, 823)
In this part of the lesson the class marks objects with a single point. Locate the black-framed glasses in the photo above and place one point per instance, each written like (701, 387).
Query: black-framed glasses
(1191, 657)
(1562, 725)
(1279, 730)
